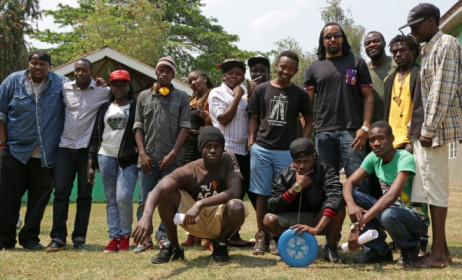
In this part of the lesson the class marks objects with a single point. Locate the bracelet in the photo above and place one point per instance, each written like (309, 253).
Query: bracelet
(207, 119)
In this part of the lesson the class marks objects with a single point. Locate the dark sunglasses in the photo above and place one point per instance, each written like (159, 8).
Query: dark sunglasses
(335, 35)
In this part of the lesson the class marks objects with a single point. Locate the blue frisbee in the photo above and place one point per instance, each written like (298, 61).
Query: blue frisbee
(297, 251)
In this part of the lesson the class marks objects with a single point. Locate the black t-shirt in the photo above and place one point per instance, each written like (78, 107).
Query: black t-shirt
(337, 82)
(278, 109)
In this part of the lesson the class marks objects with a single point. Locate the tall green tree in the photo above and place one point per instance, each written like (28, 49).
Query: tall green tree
(16, 20)
(131, 27)
(333, 12)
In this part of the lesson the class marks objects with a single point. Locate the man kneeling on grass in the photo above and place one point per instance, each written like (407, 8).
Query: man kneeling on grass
(206, 190)
(393, 212)
(310, 190)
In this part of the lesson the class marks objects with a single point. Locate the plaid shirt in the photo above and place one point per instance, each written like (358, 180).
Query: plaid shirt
(442, 89)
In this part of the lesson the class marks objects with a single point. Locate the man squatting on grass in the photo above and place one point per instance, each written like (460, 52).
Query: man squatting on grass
(393, 212)
(207, 190)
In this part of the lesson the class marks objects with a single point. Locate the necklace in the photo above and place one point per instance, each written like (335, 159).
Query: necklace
(401, 79)
(194, 101)
(39, 91)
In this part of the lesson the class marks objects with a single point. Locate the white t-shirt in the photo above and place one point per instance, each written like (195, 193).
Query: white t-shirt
(115, 121)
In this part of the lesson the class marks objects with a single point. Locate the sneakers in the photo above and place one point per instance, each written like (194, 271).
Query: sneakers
(166, 254)
(161, 237)
(124, 244)
(411, 254)
(208, 245)
(80, 245)
(192, 241)
(146, 245)
(220, 250)
(260, 243)
(273, 247)
(112, 247)
(33, 246)
(55, 247)
(375, 257)
(331, 254)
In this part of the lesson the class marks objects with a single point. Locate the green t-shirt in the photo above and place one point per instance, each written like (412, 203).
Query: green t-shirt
(378, 75)
(402, 161)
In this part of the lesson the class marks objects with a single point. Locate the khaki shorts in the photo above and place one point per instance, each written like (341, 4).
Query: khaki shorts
(209, 223)
(431, 180)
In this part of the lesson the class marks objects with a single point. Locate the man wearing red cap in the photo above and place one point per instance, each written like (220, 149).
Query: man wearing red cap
(31, 121)
(161, 126)
(81, 99)
(441, 77)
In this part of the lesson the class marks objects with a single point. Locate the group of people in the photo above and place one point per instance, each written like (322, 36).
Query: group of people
(387, 122)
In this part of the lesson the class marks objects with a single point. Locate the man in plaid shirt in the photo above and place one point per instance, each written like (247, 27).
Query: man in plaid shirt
(441, 76)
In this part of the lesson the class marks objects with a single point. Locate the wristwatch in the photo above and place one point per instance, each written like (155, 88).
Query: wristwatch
(365, 128)
(354, 226)
(297, 187)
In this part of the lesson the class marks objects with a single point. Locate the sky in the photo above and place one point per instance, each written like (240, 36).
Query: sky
(260, 23)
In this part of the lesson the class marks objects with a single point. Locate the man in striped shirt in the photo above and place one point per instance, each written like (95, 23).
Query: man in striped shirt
(441, 76)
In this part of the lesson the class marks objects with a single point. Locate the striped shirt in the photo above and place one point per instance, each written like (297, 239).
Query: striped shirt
(236, 134)
(80, 110)
(441, 76)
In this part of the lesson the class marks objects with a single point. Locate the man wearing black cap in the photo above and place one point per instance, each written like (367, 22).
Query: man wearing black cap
(31, 123)
(259, 73)
(206, 191)
(312, 189)
(441, 77)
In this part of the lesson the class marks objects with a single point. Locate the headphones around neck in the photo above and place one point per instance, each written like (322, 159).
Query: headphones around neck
(164, 91)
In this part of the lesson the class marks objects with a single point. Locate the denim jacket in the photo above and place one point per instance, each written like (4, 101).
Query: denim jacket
(30, 124)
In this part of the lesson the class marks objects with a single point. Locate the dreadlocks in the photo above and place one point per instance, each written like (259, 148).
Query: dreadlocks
(411, 42)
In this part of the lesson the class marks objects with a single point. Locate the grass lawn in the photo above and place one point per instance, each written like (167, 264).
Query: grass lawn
(93, 264)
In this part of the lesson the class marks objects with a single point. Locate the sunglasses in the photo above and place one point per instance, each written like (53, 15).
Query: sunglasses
(335, 35)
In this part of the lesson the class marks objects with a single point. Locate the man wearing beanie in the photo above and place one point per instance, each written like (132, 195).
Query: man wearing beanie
(161, 126)
(206, 191)
(31, 123)
(441, 77)
(312, 189)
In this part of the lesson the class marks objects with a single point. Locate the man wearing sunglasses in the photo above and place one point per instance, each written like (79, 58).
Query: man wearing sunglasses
(341, 82)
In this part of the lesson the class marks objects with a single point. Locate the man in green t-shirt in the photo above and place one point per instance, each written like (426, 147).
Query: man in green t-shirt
(394, 212)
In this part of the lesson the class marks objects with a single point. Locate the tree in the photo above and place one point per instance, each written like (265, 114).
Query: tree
(134, 28)
(179, 29)
(334, 13)
(16, 18)
(305, 58)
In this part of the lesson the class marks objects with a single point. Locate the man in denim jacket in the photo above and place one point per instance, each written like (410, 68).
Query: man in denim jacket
(31, 123)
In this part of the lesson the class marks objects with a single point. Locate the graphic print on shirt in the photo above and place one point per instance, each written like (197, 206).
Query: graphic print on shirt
(278, 108)
(117, 121)
(213, 188)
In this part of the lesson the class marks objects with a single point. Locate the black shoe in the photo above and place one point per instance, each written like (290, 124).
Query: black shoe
(410, 254)
(80, 246)
(331, 254)
(33, 246)
(220, 250)
(166, 254)
(375, 257)
(55, 247)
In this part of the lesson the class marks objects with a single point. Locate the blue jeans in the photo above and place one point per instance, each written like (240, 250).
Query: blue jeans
(119, 185)
(265, 165)
(147, 183)
(405, 227)
(333, 146)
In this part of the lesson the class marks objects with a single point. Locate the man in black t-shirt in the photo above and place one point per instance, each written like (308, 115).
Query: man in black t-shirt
(344, 101)
(207, 192)
(274, 108)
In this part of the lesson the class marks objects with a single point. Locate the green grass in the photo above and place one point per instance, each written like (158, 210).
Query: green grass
(93, 264)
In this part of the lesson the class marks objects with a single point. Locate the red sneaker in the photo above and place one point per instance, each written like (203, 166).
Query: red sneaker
(124, 244)
(192, 240)
(112, 247)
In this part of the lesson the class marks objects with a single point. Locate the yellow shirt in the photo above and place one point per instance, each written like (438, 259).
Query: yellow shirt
(400, 109)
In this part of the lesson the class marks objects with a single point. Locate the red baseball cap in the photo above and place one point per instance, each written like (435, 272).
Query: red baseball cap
(119, 75)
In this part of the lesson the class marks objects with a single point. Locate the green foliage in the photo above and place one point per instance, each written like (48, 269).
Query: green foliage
(334, 13)
(305, 58)
(134, 28)
(16, 18)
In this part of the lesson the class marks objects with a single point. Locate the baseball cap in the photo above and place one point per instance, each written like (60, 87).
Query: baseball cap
(422, 12)
(42, 55)
(231, 62)
(119, 75)
(258, 59)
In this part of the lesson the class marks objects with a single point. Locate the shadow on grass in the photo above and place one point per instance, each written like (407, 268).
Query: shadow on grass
(236, 260)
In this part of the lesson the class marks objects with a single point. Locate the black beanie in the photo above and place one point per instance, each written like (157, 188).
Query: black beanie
(301, 145)
(210, 133)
